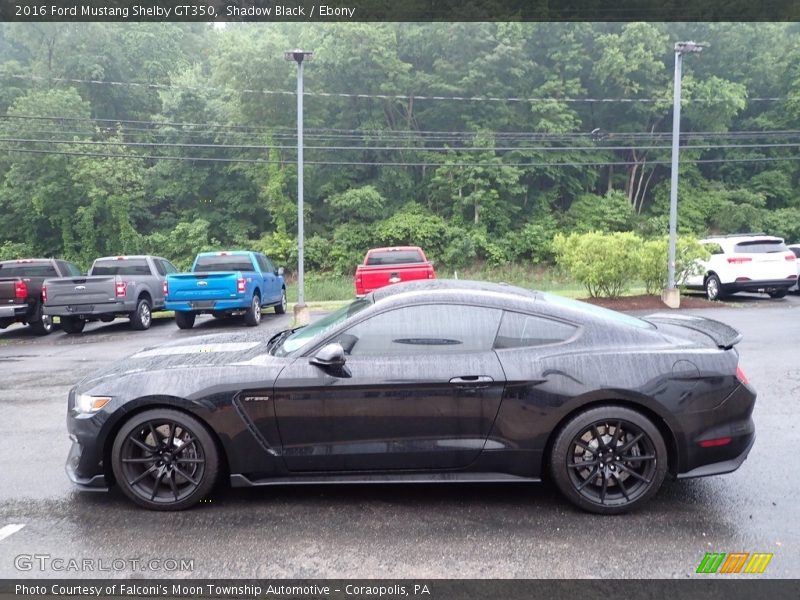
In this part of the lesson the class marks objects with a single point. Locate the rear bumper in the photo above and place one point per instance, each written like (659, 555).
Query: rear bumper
(201, 306)
(725, 466)
(756, 285)
(90, 310)
(13, 311)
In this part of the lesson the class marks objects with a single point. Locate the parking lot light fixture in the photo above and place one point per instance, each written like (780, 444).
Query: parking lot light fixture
(300, 57)
(671, 295)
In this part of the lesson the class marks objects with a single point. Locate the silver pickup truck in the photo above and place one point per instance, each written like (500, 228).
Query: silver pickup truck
(116, 286)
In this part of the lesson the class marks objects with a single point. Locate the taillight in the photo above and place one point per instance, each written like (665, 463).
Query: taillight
(20, 290)
(240, 285)
(738, 260)
(724, 441)
(431, 275)
(741, 376)
(166, 289)
(44, 294)
(790, 257)
(120, 289)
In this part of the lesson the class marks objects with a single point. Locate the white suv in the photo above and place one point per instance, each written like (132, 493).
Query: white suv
(746, 262)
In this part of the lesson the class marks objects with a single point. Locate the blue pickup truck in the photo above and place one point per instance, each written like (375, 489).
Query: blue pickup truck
(224, 284)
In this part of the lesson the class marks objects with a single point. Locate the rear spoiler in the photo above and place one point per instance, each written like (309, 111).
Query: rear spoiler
(723, 335)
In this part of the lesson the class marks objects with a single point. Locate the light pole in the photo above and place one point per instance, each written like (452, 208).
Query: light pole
(300, 310)
(671, 295)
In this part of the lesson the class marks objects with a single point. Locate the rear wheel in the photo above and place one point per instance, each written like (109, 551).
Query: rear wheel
(252, 316)
(142, 317)
(185, 320)
(713, 287)
(777, 293)
(609, 460)
(43, 323)
(72, 324)
(281, 308)
(165, 459)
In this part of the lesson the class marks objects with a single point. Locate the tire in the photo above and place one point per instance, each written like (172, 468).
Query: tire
(713, 287)
(184, 320)
(142, 317)
(221, 315)
(72, 324)
(43, 325)
(252, 316)
(165, 459)
(107, 318)
(778, 293)
(618, 486)
(281, 307)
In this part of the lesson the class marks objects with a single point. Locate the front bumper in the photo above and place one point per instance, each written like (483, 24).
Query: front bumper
(84, 465)
(92, 483)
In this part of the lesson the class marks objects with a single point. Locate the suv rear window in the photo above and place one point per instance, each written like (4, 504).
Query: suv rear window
(760, 247)
(394, 257)
(207, 264)
(123, 266)
(41, 269)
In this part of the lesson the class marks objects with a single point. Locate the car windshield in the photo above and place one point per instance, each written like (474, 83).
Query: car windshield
(394, 257)
(291, 340)
(28, 270)
(121, 266)
(597, 311)
(760, 247)
(223, 262)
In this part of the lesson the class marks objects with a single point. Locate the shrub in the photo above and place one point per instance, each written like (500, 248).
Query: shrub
(653, 256)
(605, 264)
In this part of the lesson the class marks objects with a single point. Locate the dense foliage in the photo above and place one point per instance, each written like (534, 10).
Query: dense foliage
(173, 138)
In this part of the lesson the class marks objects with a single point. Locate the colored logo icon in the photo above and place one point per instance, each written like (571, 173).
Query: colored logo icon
(735, 562)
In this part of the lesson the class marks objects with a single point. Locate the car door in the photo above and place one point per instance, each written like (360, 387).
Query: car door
(269, 293)
(420, 389)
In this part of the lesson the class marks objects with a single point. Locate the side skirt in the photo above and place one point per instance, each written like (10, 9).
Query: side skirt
(238, 480)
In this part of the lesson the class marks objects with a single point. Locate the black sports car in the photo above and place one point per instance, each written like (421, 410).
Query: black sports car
(420, 382)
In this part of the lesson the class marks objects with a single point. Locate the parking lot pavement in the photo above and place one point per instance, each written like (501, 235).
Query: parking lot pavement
(462, 530)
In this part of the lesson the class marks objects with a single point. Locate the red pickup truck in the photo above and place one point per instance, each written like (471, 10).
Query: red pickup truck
(384, 266)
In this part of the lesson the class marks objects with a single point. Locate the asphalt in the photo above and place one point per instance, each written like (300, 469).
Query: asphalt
(408, 531)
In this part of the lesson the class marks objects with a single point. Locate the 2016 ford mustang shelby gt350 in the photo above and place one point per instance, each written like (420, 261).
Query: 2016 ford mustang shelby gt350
(421, 382)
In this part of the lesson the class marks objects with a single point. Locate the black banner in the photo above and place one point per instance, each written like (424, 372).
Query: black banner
(399, 10)
(713, 588)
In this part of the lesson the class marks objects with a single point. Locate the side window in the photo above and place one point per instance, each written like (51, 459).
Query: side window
(423, 329)
(270, 266)
(159, 267)
(73, 270)
(169, 267)
(714, 248)
(518, 331)
(262, 264)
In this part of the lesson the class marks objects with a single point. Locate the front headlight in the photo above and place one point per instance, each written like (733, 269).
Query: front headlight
(85, 403)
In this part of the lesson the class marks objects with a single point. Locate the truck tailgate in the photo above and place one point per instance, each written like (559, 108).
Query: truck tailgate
(68, 291)
(8, 292)
(202, 286)
(378, 276)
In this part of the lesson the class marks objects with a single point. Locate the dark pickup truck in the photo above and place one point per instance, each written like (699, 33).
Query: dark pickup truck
(116, 286)
(21, 290)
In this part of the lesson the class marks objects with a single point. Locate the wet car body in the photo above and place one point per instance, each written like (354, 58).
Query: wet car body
(484, 414)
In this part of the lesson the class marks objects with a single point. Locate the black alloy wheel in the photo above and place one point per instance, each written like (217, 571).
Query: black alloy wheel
(609, 460)
(165, 460)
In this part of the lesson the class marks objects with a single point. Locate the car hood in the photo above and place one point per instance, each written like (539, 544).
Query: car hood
(202, 358)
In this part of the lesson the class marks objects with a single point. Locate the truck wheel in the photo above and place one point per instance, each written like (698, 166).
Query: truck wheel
(43, 323)
(281, 308)
(777, 293)
(142, 316)
(185, 320)
(253, 315)
(72, 324)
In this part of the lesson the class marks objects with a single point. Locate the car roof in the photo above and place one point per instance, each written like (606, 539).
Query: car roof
(393, 249)
(743, 237)
(124, 257)
(14, 261)
(228, 253)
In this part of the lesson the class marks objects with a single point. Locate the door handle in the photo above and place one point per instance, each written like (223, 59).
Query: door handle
(472, 380)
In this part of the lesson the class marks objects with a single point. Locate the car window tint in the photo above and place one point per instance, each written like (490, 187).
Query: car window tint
(394, 257)
(160, 267)
(169, 267)
(424, 329)
(28, 269)
(121, 266)
(760, 247)
(796, 252)
(223, 262)
(714, 248)
(270, 266)
(518, 330)
(73, 270)
(262, 263)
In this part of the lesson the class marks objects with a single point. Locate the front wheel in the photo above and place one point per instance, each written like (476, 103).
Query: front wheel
(252, 316)
(165, 459)
(609, 460)
(184, 320)
(281, 308)
(72, 324)
(713, 287)
(43, 324)
(142, 317)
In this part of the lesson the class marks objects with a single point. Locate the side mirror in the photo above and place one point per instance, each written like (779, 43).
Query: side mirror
(330, 355)
(279, 272)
